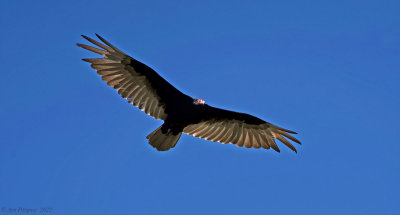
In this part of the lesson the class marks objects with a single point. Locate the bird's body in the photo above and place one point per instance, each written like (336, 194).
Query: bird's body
(147, 90)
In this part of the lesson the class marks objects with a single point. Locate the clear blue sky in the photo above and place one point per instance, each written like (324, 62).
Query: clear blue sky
(326, 69)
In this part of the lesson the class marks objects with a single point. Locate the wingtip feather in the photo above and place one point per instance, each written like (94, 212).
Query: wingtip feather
(84, 36)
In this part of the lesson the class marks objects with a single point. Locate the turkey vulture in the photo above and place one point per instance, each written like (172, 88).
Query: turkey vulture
(148, 91)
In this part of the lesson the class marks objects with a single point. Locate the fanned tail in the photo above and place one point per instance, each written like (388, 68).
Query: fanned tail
(163, 141)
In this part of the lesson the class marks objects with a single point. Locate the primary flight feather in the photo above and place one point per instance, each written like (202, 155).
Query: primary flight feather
(148, 91)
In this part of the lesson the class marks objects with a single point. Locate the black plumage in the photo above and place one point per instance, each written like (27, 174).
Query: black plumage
(147, 90)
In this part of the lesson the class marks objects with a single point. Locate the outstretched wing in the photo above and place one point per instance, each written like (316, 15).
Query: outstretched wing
(241, 129)
(133, 80)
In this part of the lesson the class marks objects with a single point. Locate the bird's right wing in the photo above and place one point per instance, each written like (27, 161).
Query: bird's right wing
(241, 129)
(135, 81)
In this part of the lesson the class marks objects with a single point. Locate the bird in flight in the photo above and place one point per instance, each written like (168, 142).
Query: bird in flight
(151, 93)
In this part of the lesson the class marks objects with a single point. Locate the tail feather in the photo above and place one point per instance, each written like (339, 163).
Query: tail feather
(163, 141)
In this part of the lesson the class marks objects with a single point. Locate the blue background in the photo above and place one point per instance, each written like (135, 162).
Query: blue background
(326, 69)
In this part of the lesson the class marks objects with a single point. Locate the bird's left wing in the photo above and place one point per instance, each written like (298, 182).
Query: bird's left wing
(133, 80)
(241, 129)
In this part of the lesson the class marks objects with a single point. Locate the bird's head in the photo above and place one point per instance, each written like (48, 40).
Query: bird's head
(198, 101)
